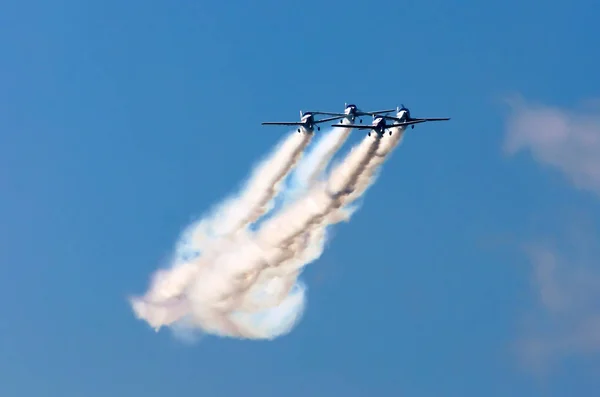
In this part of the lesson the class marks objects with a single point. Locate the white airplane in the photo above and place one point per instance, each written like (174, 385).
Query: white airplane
(307, 122)
(379, 125)
(403, 115)
(351, 112)
(401, 120)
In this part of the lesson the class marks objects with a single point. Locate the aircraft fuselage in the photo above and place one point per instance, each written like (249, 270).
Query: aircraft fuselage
(350, 113)
(308, 124)
(379, 125)
(403, 115)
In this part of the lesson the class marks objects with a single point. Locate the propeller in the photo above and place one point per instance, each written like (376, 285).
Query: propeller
(408, 118)
(353, 112)
(406, 113)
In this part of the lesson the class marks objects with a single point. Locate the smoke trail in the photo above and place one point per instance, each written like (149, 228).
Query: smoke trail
(276, 245)
(287, 257)
(315, 162)
(278, 239)
(243, 285)
(232, 265)
(368, 178)
(229, 218)
(213, 299)
(321, 199)
(316, 239)
(262, 188)
(253, 202)
(308, 217)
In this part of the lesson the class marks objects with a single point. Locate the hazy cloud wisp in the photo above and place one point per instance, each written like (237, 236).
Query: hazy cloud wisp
(566, 320)
(568, 140)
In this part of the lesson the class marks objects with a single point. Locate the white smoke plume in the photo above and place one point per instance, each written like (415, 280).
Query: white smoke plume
(245, 284)
(313, 165)
(317, 160)
(256, 197)
(369, 177)
(232, 216)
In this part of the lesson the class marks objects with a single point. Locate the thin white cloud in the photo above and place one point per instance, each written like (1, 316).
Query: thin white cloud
(566, 320)
(566, 139)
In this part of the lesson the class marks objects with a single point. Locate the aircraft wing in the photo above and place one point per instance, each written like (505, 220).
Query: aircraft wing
(414, 121)
(281, 123)
(328, 119)
(403, 123)
(376, 112)
(434, 119)
(359, 127)
(329, 113)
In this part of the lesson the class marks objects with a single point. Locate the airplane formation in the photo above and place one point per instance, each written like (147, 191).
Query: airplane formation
(379, 124)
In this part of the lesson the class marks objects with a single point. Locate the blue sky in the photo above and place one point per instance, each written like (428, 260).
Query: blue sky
(471, 268)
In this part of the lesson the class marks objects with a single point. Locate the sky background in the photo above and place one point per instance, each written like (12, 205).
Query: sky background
(471, 269)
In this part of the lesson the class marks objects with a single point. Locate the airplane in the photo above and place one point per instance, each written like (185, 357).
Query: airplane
(379, 125)
(351, 112)
(307, 122)
(402, 119)
(403, 115)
